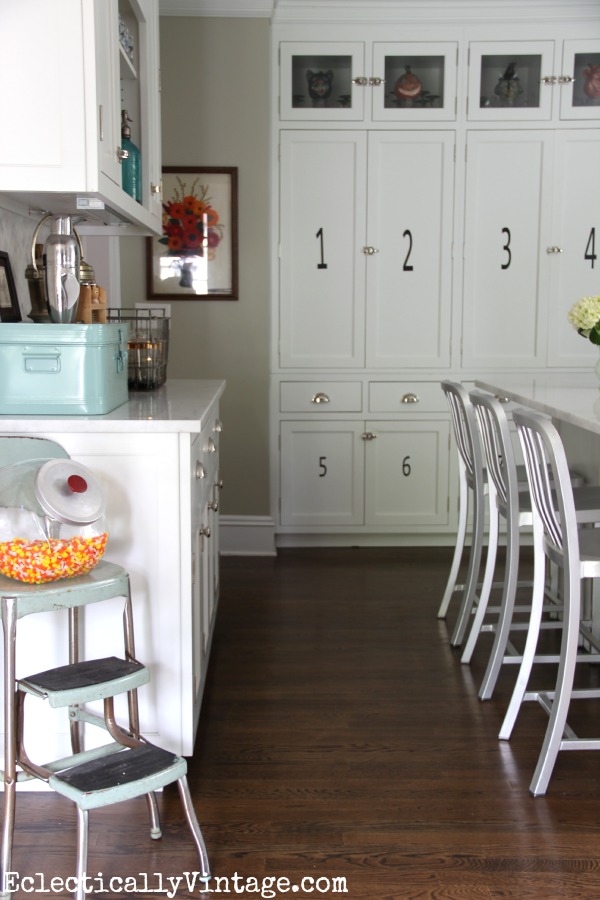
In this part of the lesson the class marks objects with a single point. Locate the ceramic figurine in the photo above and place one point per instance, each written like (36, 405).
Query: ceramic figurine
(509, 86)
(320, 84)
(592, 82)
(408, 86)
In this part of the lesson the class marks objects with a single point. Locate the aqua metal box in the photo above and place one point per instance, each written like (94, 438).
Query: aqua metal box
(77, 370)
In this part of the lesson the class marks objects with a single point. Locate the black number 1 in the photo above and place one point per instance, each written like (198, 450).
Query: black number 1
(322, 264)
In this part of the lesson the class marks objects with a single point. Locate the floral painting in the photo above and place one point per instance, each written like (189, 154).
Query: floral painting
(195, 257)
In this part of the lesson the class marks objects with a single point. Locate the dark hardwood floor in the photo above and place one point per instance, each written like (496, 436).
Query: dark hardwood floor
(342, 738)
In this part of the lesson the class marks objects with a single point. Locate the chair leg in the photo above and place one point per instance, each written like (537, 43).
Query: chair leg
(535, 618)
(564, 686)
(9, 625)
(82, 852)
(507, 606)
(486, 587)
(155, 829)
(190, 814)
(472, 575)
(463, 502)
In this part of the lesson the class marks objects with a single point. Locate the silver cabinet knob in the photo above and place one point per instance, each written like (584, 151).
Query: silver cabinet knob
(409, 398)
(369, 251)
(211, 447)
(155, 188)
(218, 426)
(122, 154)
(376, 81)
(214, 505)
(204, 531)
(200, 470)
(565, 79)
(368, 436)
(549, 79)
(320, 398)
(361, 80)
(550, 250)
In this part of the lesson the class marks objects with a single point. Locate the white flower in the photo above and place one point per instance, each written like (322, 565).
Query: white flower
(585, 314)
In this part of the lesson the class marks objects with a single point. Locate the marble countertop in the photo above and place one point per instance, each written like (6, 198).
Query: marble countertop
(180, 405)
(570, 397)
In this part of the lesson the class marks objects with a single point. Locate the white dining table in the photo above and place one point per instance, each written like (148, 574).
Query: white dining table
(568, 397)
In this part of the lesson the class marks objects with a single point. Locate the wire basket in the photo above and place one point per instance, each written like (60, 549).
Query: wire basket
(147, 346)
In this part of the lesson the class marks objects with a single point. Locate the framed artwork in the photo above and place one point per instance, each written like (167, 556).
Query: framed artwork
(9, 303)
(195, 257)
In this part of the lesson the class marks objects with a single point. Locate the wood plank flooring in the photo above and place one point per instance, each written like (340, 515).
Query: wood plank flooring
(342, 737)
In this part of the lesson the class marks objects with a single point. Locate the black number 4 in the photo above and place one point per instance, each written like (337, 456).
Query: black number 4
(590, 250)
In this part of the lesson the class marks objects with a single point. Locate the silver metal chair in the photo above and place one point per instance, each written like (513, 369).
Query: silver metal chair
(514, 507)
(126, 765)
(576, 551)
(472, 492)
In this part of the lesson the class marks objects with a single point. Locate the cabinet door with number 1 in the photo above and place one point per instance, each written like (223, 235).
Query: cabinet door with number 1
(321, 267)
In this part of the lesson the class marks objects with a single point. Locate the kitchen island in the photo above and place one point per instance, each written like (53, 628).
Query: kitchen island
(157, 457)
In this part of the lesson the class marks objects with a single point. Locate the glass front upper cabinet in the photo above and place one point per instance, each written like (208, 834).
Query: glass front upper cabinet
(579, 80)
(414, 81)
(322, 81)
(511, 80)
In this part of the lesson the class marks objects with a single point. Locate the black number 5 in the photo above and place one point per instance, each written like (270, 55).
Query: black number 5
(322, 467)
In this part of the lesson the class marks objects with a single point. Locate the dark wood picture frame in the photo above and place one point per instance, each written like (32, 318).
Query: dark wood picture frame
(196, 256)
(9, 302)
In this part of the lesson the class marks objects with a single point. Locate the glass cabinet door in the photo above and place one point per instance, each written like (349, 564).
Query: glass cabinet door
(322, 82)
(511, 80)
(579, 80)
(414, 81)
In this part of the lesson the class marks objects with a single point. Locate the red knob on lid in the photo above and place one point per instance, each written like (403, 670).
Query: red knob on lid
(77, 484)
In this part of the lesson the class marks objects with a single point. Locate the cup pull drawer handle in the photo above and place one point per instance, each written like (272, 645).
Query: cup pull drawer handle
(410, 398)
(200, 470)
(320, 398)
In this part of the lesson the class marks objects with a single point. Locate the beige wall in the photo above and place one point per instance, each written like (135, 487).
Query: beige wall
(215, 112)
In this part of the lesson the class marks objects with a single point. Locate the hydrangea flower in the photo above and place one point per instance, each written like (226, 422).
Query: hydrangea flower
(584, 316)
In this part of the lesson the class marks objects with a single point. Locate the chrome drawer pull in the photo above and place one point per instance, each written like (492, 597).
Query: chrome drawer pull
(320, 398)
(410, 398)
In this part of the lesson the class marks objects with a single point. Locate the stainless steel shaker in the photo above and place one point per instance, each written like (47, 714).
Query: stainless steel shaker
(62, 260)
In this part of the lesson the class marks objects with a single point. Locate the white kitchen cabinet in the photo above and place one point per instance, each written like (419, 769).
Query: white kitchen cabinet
(573, 254)
(418, 238)
(550, 79)
(336, 81)
(157, 459)
(380, 474)
(61, 152)
(532, 217)
(365, 248)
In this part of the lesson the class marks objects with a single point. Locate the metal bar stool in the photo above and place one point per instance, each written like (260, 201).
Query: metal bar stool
(123, 767)
(514, 507)
(577, 552)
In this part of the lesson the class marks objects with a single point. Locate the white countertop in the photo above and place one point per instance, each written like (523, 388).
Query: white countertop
(180, 405)
(570, 397)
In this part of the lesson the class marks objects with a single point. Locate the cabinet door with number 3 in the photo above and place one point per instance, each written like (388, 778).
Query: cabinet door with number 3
(508, 219)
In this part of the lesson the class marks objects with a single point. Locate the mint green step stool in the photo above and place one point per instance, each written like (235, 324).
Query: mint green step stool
(124, 767)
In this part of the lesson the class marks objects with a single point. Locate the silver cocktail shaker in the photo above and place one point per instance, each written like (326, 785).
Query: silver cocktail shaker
(62, 261)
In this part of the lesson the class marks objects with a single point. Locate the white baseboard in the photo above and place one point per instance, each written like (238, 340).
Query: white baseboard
(247, 536)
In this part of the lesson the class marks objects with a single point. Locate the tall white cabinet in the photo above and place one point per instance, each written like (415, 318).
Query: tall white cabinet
(80, 63)
(436, 212)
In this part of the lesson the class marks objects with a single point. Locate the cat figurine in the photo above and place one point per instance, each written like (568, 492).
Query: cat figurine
(320, 85)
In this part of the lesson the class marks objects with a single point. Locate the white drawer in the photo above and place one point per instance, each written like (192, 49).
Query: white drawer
(406, 397)
(321, 396)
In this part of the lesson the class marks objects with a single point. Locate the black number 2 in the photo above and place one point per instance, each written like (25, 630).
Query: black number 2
(322, 264)
(506, 247)
(406, 267)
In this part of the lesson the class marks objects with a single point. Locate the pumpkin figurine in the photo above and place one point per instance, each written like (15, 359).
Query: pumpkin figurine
(592, 82)
(408, 87)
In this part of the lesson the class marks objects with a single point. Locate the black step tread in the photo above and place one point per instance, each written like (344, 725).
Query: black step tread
(83, 674)
(124, 767)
